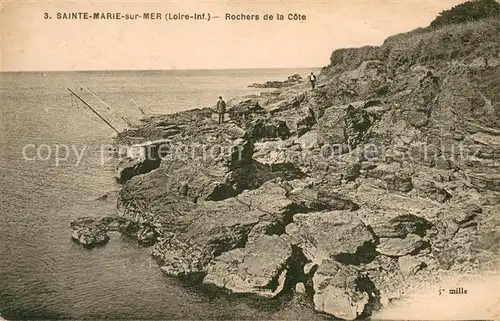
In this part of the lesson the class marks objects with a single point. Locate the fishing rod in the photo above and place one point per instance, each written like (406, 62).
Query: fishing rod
(135, 102)
(105, 103)
(102, 118)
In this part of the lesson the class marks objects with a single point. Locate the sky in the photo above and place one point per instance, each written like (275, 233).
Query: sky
(29, 42)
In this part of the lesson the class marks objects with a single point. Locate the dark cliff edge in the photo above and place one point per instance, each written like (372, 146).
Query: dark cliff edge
(379, 181)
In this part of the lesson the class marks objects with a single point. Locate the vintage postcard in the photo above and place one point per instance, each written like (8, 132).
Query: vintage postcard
(250, 160)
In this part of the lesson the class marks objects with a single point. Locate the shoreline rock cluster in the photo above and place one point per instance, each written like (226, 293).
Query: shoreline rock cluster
(383, 177)
(292, 80)
(92, 232)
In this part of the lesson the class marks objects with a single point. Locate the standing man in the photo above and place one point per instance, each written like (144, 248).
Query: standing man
(312, 79)
(221, 109)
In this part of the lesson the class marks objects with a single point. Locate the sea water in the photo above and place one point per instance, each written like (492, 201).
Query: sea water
(43, 274)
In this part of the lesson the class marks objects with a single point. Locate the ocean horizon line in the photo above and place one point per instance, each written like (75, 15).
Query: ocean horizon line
(156, 70)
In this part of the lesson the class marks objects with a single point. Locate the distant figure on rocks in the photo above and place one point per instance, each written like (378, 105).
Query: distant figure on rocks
(312, 79)
(221, 109)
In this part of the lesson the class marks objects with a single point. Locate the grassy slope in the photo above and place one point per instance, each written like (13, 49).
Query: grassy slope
(424, 46)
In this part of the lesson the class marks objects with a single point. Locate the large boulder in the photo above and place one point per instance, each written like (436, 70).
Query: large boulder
(300, 120)
(286, 101)
(265, 128)
(327, 200)
(92, 231)
(89, 231)
(344, 125)
(130, 167)
(400, 226)
(192, 173)
(215, 227)
(330, 235)
(400, 182)
(245, 110)
(275, 159)
(392, 176)
(259, 268)
(425, 186)
(337, 291)
(146, 235)
(141, 159)
(332, 125)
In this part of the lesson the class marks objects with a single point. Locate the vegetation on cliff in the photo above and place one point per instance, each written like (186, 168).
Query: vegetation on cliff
(466, 41)
(467, 12)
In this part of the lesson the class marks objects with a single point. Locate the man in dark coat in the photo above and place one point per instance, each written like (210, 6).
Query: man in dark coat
(312, 79)
(221, 109)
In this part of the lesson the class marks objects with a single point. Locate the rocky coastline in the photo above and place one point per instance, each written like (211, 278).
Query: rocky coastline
(384, 177)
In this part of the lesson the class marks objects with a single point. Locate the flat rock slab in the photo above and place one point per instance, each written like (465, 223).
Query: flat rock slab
(400, 226)
(336, 292)
(259, 268)
(400, 247)
(325, 235)
(389, 230)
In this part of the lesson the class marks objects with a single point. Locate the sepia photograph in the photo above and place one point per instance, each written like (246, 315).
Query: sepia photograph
(250, 160)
